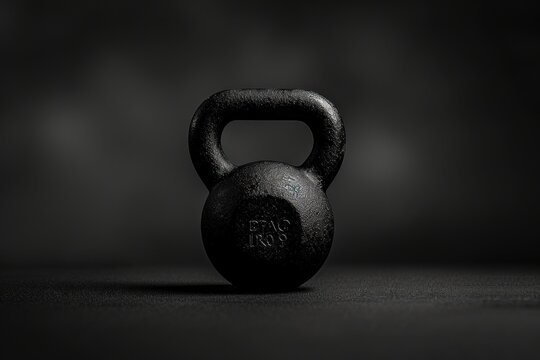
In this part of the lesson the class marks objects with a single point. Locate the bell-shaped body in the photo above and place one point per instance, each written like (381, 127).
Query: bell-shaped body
(267, 225)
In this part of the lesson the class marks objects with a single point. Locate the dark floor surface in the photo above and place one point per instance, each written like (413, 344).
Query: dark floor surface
(344, 312)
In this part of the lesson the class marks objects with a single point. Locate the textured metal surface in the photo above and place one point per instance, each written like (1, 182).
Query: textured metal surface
(267, 224)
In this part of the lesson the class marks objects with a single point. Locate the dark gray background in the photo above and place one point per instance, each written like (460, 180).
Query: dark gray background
(440, 104)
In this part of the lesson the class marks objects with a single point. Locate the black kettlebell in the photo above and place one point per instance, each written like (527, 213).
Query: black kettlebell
(267, 225)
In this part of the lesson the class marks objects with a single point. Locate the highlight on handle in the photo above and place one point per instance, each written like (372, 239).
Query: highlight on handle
(309, 107)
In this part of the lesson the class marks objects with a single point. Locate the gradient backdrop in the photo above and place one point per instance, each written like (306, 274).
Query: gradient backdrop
(440, 104)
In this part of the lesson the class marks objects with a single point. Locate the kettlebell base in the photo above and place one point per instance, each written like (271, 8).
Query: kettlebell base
(267, 226)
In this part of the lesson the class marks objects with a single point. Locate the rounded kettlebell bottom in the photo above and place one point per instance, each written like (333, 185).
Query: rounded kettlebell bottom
(267, 226)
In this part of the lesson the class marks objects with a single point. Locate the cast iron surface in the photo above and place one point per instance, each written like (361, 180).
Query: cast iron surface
(267, 224)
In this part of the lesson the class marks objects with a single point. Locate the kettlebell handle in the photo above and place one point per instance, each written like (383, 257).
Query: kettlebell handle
(309, 107)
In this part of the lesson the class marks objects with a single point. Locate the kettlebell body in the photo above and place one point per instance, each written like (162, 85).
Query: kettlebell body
(267, 225)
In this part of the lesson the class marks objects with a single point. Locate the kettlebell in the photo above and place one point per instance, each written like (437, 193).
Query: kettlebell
(267, 225)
